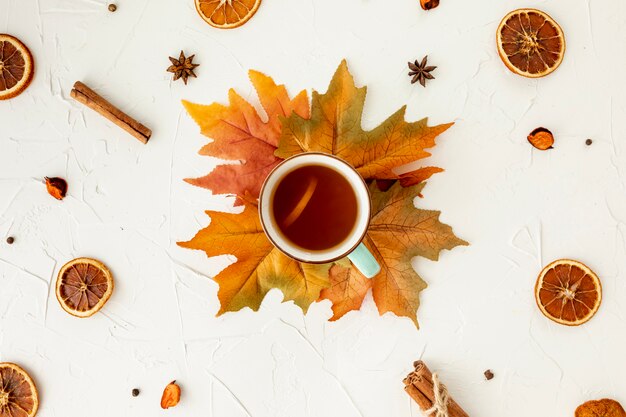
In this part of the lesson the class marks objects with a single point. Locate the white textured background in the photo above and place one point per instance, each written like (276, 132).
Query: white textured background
(128, 206)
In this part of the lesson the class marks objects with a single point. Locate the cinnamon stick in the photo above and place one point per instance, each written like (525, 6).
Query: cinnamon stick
(94, 101)
(421, 400)
(419, 385)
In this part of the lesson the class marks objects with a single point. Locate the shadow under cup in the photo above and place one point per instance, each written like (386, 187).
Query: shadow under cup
(315, 181)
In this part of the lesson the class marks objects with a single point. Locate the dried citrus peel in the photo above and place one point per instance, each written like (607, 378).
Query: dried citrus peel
(304, 201)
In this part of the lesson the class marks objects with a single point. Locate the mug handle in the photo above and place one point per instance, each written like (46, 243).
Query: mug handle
(364, 261)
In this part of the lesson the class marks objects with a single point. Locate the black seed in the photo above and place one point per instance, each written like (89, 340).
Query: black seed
(489, 375)
(588, 142)
(135, 392)
(10, 240)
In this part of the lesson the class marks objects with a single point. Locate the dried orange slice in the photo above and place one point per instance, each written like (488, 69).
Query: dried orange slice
(227, 14)
(601, 408)
(18, 394)
(16, 67)
(84, 285)
(530, 43)
(568, 292)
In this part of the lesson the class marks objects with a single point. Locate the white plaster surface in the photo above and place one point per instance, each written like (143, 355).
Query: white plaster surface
(128, 206)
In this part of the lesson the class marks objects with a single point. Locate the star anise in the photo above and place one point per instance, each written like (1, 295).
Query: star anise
(182, 67)
(421, 72)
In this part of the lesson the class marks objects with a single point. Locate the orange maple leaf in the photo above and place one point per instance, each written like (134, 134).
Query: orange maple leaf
(398, 232)
(347, 290)
(239, 133)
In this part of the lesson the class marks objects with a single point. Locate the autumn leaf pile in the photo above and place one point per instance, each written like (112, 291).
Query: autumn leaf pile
(332, 124)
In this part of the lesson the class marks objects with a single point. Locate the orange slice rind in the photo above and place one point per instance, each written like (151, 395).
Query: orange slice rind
(568, 292)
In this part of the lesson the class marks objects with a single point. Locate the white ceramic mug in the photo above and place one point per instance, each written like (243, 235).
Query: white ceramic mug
(352, 247)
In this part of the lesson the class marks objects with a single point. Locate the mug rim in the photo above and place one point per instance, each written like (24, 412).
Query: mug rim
(368, 209)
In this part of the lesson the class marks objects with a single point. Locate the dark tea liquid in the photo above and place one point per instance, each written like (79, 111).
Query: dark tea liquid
(315, 207)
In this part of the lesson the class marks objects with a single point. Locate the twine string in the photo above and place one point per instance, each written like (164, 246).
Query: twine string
(440, 405)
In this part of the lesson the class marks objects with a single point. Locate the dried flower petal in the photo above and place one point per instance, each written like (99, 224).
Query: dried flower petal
(429, 4)
(57, 187)
(541, 138)
(171, 395)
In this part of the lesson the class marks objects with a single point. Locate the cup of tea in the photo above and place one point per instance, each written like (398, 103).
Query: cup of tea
(316, 208)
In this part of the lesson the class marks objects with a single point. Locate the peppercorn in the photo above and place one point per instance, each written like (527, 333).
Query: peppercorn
(112, 7)
(135, 392)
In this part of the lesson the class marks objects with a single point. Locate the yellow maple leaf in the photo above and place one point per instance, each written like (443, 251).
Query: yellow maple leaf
(259, 266)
